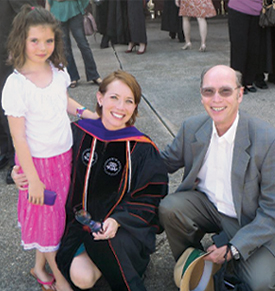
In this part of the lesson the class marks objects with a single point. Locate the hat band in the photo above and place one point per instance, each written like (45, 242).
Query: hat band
(196, 253)
(206, 276)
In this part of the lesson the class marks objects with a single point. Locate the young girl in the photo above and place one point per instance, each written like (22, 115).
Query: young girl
(36, 101)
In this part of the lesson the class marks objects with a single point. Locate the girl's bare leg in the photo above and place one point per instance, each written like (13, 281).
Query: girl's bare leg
(39, 269)
(61, 283)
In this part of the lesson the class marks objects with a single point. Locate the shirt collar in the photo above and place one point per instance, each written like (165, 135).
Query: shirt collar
(229, 136)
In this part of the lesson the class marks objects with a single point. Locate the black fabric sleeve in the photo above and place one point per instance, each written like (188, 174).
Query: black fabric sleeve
(138, 210)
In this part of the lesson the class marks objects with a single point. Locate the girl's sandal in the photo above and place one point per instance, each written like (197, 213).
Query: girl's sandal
(43, 284)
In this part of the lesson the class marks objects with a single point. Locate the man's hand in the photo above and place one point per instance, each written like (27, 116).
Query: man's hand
(217, 254)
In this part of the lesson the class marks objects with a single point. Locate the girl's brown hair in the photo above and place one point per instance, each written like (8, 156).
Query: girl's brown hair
(27, 17)
(128, 80)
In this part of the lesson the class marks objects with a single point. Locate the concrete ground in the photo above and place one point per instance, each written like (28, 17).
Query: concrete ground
(170, 80)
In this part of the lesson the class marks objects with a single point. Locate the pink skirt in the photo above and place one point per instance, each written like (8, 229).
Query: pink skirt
(42, 226)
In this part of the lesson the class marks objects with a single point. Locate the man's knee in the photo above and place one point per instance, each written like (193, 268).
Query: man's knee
(169, 204)
(174, 203)
(259, 284)
(259, 278)
(164, 208)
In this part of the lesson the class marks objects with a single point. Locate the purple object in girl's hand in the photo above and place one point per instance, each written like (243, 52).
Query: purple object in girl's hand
(49, 197)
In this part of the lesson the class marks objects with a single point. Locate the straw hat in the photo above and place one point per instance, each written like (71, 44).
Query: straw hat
(192, 272)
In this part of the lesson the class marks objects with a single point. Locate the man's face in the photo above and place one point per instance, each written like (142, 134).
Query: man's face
(221, 97)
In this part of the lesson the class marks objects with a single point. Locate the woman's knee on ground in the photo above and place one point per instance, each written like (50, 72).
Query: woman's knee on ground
(83, 272)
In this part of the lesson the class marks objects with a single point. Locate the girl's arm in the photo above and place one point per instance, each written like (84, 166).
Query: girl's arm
(36, 187)
(73, 105)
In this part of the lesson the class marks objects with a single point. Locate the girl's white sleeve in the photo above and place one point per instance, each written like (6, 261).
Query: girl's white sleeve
(67, 77)
(13, 95)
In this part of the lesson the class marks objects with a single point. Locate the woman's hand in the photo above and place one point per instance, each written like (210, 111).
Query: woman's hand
(110, 227)
(177, 2)
(19, 179)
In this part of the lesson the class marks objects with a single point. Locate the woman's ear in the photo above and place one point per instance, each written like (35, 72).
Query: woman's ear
(99, 98)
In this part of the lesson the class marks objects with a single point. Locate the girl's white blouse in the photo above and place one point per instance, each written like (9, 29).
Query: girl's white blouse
(48, 129)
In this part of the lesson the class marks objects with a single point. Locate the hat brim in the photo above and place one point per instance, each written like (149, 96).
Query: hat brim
(199, 274)
(178, 269)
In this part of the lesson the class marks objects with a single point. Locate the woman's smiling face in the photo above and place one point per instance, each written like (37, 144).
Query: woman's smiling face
(118, 105)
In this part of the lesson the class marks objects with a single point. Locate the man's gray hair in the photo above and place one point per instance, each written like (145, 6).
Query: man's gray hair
(238, 76)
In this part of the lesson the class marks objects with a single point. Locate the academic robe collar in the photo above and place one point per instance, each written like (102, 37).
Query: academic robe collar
(97, 129)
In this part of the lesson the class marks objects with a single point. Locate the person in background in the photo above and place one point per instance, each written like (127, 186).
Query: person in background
(137, 27)
(199, 9)
(267, 56)
(271, 54)
(171, 21)
(228, 185)
(112, 23)
(263, 66)
(70, 14)
(245, 36)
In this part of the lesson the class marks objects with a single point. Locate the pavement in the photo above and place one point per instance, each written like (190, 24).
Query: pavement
(170, 79)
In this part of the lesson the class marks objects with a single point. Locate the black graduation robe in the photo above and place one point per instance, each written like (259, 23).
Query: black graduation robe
(116, 174)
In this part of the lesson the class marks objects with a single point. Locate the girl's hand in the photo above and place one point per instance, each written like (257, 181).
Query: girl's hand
(36, 192)
(18, 132)
(110, 227)
(19, 179)
(177, 2)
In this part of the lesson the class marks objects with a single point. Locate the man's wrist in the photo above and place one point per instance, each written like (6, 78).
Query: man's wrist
(235, 253)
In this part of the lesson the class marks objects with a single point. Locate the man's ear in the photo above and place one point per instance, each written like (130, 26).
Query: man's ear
(241, 92)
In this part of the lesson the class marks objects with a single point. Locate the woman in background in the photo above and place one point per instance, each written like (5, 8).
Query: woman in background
(200, 9)
(171, 21)
(245, 35)
(70, 14)
(137, 29)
